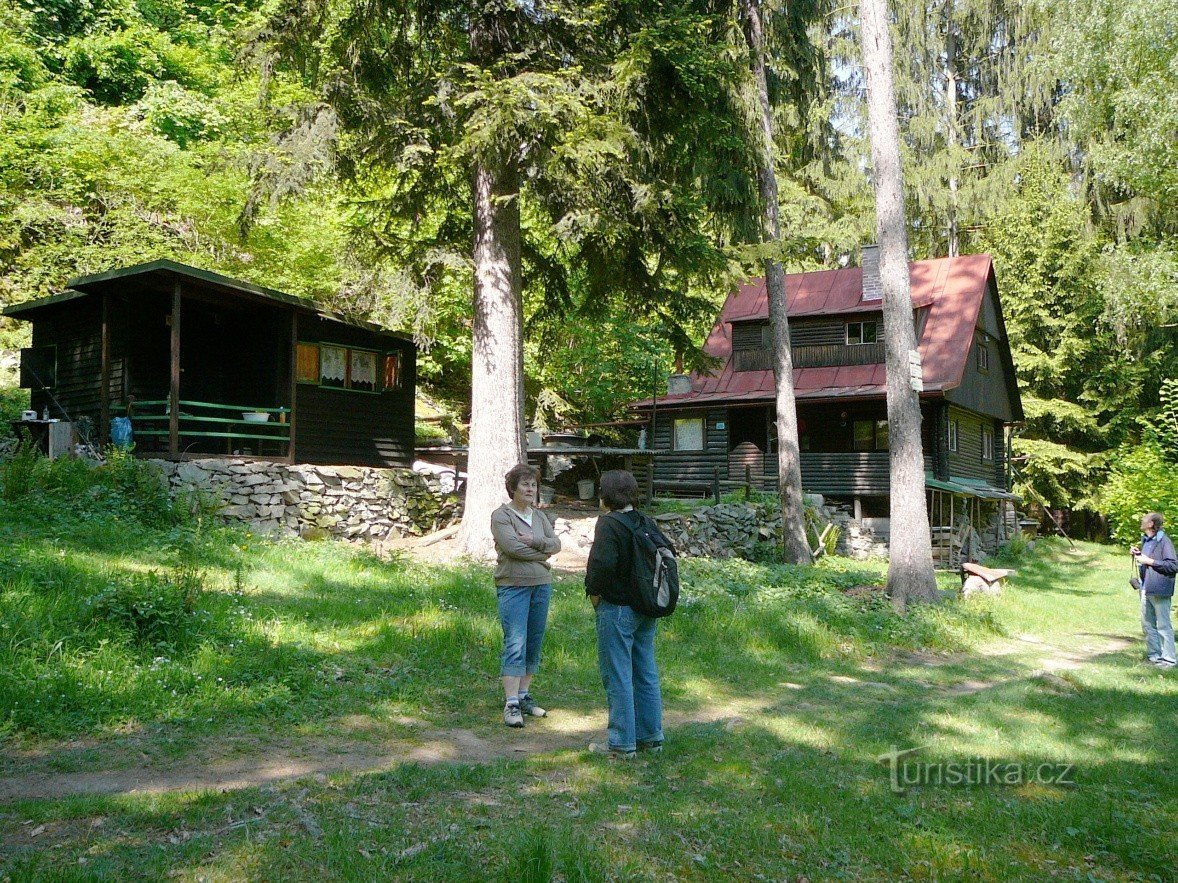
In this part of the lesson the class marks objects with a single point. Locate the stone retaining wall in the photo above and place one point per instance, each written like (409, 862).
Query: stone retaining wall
(733, 529)
(352, 502)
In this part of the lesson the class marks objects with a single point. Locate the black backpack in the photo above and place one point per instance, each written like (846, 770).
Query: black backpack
(654, 575)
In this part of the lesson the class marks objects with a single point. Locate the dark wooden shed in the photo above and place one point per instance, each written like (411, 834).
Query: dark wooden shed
(213, 366)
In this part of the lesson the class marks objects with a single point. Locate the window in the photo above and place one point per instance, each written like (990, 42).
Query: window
(861, 332)
(987, 444)
(307, 370)
(689, 434)
(871, 435)
(983, 356)
(337, 367)
(766, 337)
(953, 436)
(392, 370)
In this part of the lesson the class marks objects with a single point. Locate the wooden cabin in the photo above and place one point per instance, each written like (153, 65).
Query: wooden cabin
(210, 366)
(724, 424)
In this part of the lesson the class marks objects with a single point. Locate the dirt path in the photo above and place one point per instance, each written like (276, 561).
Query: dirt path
(45, 773)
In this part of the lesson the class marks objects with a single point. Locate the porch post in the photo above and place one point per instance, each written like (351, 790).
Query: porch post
(174, 395)
(294, 383)
(103, 433)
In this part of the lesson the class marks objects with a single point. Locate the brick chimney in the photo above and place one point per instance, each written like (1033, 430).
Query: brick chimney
(872, 286)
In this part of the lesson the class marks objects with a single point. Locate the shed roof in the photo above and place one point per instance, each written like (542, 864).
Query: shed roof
(951, 288)
(158, 273)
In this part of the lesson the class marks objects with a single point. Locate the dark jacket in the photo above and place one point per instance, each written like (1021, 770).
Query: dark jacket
(611, 559)
(1158, 578)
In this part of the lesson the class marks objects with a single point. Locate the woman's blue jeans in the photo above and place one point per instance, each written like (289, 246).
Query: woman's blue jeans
(523, 613)
(625, 655)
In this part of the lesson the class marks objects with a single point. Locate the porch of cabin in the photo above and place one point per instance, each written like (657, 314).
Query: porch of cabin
(217, 382)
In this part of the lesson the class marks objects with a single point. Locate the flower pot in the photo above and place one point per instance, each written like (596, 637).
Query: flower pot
(585, 488)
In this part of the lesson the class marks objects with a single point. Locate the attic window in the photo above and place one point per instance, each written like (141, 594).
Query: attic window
(983, 355)
(859, 333)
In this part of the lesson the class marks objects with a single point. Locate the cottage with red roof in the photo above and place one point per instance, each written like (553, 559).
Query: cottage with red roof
(724, 423)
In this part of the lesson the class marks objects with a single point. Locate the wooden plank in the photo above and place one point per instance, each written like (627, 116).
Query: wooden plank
(104, 405)
(294, 380)
(174, 396)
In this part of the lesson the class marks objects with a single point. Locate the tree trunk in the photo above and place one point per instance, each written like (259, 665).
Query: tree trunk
(910, 562)
(789, 461)
(497, 386)
(952, 233)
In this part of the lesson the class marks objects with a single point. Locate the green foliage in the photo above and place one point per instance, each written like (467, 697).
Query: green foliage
(12, 402)
(1142, 479)
(156, 609)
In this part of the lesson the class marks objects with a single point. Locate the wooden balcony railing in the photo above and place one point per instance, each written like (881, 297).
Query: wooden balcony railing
(210, 420)
(815, 356)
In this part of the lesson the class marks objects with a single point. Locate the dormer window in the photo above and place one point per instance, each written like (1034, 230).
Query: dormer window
(859, 333)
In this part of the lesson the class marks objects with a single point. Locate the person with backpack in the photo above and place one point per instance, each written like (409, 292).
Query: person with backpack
(631, 580)
(524, 541)
(1157, 565)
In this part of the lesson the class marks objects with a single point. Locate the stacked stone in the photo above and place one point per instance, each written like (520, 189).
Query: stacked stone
(723, 531)
(351, 502)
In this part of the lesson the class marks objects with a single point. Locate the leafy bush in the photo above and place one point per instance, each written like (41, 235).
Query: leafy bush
(12, 402)
(1141, 481)
(178, 114)
(122, 487)
(157, 609)
(429, 433)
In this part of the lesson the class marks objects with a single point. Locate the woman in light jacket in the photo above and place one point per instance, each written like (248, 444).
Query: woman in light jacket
(524, 541)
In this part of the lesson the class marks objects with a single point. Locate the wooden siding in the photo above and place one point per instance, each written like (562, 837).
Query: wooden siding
(345, 426)
(816, 344)
(986, 392)
(691, 466)
(838, 354)
(837, 470)
(76, 331)
(966, 461)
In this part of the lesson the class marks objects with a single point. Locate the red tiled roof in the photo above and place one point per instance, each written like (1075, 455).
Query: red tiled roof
(952, 288)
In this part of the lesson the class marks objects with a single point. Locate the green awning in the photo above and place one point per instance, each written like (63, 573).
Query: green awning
(967, 487)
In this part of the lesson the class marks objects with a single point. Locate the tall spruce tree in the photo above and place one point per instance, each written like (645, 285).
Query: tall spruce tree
(519, 124)
(910, 562)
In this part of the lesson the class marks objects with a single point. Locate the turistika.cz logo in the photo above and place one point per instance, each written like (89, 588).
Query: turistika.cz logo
(973, 772)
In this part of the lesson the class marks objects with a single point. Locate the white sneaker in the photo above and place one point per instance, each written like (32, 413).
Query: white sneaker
(512, 716)
(528, 706)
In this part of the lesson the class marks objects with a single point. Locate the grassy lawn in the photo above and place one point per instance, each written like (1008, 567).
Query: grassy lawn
(120, 625)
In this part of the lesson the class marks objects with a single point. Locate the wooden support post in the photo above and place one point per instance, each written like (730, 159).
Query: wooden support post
(649, 479)
(748, 482)
(294, 384)
(716, 484)
(174, 394)
(103, 433)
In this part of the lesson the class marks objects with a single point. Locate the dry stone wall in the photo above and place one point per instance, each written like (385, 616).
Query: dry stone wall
(351, 502)
(733, 529)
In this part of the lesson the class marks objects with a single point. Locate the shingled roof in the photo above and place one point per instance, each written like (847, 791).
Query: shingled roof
(952, 289)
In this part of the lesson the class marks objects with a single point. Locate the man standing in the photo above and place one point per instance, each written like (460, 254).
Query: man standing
(1156, 566)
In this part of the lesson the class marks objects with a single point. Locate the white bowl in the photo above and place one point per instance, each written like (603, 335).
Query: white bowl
(255, 416)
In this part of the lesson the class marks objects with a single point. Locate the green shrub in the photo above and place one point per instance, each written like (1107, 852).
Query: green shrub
(429, 434)
(12, 402)
(1141, 481)
(156, 609)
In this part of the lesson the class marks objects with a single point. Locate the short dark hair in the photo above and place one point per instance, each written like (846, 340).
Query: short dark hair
(619, 489)
(518, 473)
(1153, 519)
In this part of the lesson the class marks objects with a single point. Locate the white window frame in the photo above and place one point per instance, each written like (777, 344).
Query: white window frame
(953, 435)
(987, 444)
(983, 359)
